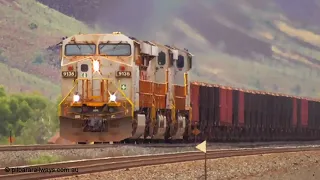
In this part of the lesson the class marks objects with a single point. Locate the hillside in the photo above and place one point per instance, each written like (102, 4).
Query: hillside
(270, 45)
(27, 28)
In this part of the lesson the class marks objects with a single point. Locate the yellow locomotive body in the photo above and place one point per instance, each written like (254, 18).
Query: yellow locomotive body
(115, 88)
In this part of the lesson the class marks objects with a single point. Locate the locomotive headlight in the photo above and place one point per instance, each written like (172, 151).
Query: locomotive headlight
(76, 98)
(96, 66)
(112, 97)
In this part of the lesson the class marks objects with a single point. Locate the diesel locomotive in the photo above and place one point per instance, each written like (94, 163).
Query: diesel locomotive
(116, 87)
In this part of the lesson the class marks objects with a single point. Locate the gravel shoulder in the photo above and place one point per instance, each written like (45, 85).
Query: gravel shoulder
(19, 158)
(282, 166)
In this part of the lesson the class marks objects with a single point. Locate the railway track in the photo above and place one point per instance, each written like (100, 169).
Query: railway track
(84, 146)
(160, 145)
(107, 164)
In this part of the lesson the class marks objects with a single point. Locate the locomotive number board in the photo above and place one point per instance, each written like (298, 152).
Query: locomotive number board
(123, 74)
(69, 74)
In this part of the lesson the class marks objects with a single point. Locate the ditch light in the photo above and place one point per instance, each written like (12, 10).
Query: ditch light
(76, 98)
(112, 97)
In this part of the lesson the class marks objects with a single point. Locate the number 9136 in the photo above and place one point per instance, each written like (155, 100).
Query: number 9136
(124, 74)
(69, 74)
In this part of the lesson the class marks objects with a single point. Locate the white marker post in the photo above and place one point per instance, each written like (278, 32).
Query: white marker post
(203, 147)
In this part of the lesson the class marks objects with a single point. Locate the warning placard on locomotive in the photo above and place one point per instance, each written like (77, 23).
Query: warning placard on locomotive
(123, 74)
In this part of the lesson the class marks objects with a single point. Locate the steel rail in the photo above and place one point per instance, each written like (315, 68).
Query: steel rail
(108, 164)
(84, 146)
(51, 147)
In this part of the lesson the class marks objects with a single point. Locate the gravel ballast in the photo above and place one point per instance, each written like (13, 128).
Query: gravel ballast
(281, 166)
(18, 158)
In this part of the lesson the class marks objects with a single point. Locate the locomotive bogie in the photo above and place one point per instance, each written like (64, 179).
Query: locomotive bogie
(138, 127)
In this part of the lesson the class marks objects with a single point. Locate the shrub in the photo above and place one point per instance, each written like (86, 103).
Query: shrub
(44, 159)
(33, 26)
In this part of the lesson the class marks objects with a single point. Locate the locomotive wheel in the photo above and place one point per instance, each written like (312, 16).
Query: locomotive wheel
(134, 126)
(148, 122)
(187, 131)
(167, 137)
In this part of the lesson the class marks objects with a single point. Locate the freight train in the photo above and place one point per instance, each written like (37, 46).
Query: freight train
(117, 88)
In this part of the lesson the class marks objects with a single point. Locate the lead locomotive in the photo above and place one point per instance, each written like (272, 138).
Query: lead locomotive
(115, 87)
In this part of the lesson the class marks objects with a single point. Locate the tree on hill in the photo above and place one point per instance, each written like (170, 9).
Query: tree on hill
(2, 91)
(32, 119)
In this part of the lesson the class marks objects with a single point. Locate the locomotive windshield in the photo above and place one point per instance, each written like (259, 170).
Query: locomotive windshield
(80, 49)
(115, 49)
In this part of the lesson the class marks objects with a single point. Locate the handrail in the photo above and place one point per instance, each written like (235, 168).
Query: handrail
(129, 100)
(185, 84)
(76, 82)
(173, 111)
(59, 108)
(190, 115)
(167, 80)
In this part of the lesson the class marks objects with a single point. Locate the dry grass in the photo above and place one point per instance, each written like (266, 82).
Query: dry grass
(27, 27)
(17, 81)
(189, 31)
(20, 44)
(302, 34)
(286, 69)
(229, 70)
(44, 159)
(291, 55)
(266, 35)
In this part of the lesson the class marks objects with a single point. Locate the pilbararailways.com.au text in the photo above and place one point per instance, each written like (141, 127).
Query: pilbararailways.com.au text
(40, 170)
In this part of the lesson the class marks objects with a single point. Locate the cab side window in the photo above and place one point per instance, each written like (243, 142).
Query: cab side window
(190, 61)
(180, 62)
(170, 59)
(161, 58)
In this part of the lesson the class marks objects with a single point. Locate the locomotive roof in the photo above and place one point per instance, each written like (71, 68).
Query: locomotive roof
(154, 43)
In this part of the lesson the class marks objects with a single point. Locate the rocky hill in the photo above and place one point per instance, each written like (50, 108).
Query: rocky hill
(27, 29)
(271, 45)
